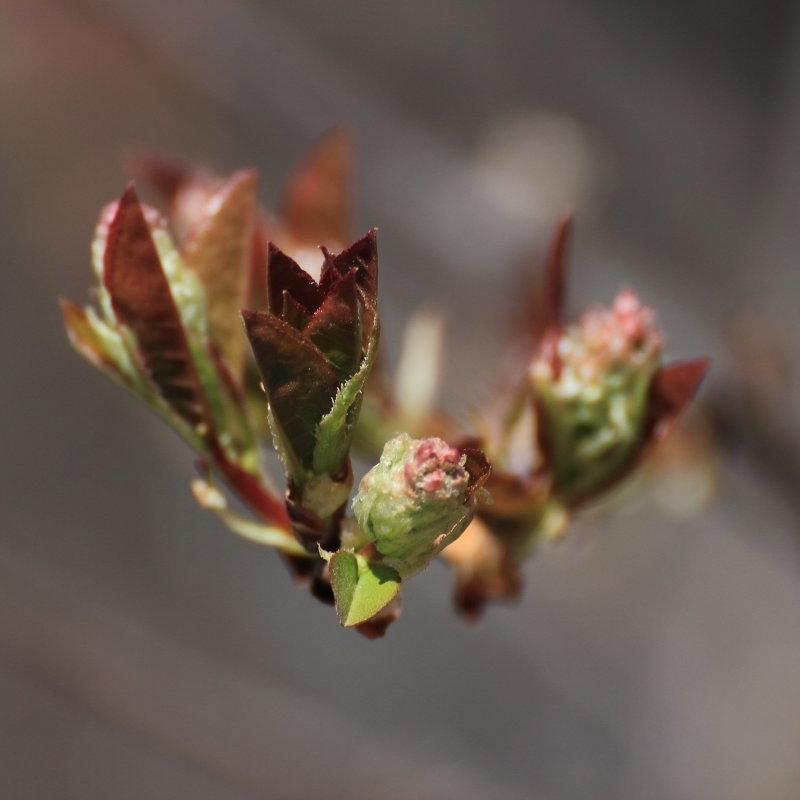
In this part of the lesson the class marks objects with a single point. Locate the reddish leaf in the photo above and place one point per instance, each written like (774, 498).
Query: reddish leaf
(550, 299)
(672, 388)
(285, 275)
(316, 202)
(334, 328)
(299, 382)
(330, 272)
(361, 256)
(293, 313)
(219, 250)
(141, 299)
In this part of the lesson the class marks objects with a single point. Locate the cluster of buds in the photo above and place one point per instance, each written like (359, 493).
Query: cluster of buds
(176, 289)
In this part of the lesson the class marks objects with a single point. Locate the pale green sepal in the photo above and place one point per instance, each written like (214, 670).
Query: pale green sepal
(360, 589)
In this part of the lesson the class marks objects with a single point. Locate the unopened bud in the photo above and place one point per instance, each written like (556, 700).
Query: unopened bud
(414, 502)
(592, 389)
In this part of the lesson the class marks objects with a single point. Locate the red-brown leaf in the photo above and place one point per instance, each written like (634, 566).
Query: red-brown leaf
(335, 327)
(672, 388)
(299, 382)
(361, 256)
(285, 275)
(293, 313)
(142, 301)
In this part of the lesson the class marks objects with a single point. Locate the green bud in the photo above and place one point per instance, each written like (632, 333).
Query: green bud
(592, 390)
(414, 502)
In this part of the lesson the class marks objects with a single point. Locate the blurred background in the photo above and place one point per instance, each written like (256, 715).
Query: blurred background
(145, 652)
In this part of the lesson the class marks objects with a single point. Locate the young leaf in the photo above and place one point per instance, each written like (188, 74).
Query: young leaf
(360, 589)
(299, 383)
(361, 256)
(334, 327)
(284, 274)
(316, 203)
(142, 301)
(82, 329)
(335, 431)
(219, 251)
(293, 312)
(672, 388)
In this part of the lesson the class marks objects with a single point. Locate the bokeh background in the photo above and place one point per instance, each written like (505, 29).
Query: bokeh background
(145, 652)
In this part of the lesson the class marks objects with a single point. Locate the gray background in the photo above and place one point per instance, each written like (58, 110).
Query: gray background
(147, 653)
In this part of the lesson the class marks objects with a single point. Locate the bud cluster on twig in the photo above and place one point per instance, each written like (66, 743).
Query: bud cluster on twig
(182, 291)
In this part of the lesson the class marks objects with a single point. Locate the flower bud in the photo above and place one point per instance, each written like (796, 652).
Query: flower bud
(414, 502)
(592, 386)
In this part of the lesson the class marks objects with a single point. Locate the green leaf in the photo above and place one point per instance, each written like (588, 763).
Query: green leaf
(360, 589)
(335, 431)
